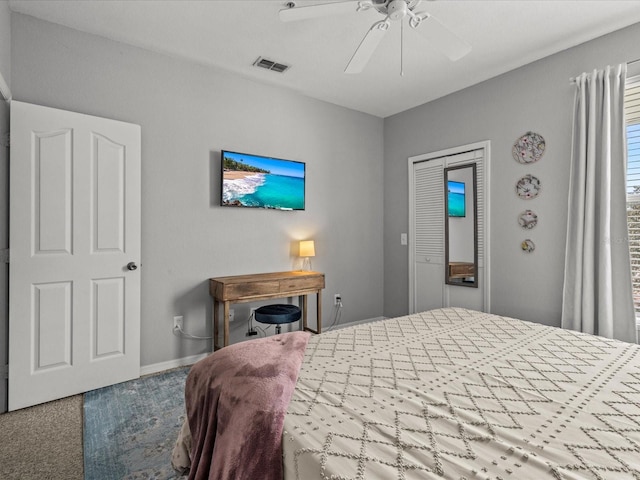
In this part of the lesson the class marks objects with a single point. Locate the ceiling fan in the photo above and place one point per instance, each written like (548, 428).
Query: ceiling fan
(437, 34)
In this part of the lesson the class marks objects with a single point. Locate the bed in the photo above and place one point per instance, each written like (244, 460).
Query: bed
(458, 394)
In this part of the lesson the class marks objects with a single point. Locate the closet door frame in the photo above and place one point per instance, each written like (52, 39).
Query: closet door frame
(485, 146)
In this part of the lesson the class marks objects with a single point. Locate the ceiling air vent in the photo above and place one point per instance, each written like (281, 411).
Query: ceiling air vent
(271, 65)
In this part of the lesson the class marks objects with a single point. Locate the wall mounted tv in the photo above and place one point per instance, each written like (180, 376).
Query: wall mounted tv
(255, 181)
(455, 198)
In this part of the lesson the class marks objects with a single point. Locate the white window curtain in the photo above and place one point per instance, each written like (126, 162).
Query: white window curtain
(597, 295)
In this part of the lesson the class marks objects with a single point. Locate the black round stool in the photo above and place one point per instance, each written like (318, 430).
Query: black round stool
(278, 314)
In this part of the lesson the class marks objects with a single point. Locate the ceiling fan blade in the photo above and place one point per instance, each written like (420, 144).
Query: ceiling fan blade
(442, 38)
(316, 11)
(366, 48)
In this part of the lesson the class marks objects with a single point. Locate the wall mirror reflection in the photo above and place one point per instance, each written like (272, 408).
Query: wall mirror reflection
(461, 226)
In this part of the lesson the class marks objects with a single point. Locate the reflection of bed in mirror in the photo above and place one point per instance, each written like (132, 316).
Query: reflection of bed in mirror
(448, 393)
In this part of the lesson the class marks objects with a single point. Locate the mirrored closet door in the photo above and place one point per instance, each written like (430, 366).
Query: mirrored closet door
(448, 265)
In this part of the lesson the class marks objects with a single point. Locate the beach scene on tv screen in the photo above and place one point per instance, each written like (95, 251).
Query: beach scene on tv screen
(456, 199)
(261, 182)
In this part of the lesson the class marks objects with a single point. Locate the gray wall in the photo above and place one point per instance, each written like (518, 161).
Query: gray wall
(5, 40)
(5, 71)
(537, 97)
(188, 113)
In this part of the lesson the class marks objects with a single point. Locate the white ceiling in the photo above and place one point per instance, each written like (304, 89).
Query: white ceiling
(231, 34)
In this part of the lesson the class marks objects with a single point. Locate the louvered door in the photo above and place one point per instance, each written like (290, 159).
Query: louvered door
(428, 235)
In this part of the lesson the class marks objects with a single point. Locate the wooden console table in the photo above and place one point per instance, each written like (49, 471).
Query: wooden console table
(263, 286)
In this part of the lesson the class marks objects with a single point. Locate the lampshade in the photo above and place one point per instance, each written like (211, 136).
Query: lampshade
(307, 248)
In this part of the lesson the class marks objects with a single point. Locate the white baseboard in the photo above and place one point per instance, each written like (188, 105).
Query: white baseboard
(168, 365)
(357, 322)
(181, 362)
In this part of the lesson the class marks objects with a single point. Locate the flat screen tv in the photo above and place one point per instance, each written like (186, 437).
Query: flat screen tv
(255, 181)
(455, 198)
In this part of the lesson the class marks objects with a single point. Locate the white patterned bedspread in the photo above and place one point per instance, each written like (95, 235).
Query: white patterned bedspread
(459, 394)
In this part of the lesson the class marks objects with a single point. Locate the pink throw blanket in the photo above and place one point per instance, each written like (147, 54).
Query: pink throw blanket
(236, 400)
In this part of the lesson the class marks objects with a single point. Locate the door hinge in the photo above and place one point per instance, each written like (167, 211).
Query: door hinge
(5, 139)
(4, 255)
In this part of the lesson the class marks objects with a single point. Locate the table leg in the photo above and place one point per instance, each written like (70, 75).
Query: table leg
(226, 324)
(303, 304)
(216, 304)
(319, 310)
(305, 325)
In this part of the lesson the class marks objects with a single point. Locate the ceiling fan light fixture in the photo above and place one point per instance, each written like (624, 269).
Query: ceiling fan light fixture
(397, 9)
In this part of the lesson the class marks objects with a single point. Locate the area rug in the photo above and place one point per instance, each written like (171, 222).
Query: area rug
(130, 428)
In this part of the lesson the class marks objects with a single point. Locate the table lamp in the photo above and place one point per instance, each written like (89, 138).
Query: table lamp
(307, 250)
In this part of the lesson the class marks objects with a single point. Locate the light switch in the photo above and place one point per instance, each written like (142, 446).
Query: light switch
(403, 239)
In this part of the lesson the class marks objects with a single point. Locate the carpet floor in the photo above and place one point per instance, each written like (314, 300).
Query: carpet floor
(43, 442)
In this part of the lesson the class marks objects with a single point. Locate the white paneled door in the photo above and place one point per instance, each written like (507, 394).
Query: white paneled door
(74, 281)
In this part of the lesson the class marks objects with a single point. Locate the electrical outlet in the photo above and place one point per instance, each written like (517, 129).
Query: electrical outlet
(178, 322)
(337, 299)
(232, 315)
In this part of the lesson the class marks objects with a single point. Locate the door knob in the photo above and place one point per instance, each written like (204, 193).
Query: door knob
(132, 266)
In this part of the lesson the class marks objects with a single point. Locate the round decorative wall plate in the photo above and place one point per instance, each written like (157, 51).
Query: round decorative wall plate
(528, 187)
(528, 246)
(528, 219)
(528, 148)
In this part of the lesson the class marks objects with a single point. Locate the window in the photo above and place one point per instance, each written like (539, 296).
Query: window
(632, 119)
